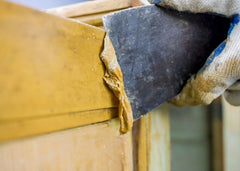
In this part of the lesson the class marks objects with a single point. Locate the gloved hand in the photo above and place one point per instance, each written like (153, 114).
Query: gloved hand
(221, 71)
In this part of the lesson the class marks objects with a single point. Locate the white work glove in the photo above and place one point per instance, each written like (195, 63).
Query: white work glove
(221, 71)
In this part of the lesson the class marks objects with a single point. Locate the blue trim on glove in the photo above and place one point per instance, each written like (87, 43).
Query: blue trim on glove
(235, 21)
(156, 1)
(215, 53)
(219, 49)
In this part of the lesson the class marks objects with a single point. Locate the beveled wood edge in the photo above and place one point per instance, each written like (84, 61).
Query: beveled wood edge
(41, 125)
(92, 7)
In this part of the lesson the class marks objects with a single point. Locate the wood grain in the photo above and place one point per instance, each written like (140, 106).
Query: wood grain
(20, 128)
(93, 19)
(160, 139)
(93, 7)
(92, 147)
(49, 70)
(151, 140)
(49, 65)
(144, 143)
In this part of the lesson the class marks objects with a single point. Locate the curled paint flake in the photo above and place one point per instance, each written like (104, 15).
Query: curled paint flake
(114, 79)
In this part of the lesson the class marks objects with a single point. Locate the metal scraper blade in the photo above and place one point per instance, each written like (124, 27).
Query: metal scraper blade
(159, 49)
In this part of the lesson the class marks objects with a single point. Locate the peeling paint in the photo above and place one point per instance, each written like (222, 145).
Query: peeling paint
(114, 79)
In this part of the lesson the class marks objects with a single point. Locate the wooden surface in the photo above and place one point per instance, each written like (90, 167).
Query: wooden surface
(52, 79)
(90, 12)
(160, 140)
(216, 113)
(136, 3)
(141, 136)
(89, 8)
(144, 144)
(231, 139)
(96, 147)
(33, 126)
(49, 67)
(94, 19)
(151, 141)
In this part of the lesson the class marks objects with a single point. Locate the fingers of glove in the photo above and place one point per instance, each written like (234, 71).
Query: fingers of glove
(221, 70)
(232, 97)
(225, 7)
(225, 59)
(201, 90)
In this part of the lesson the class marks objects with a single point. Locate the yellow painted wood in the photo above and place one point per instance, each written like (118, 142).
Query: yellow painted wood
(33, 126)
(94, 19)
(49, 65)
(92, 7)
(152, 141)
(136, 3)
(144, 143)
(97, 147)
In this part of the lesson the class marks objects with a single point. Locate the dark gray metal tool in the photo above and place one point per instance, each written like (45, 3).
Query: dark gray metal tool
(159, 49)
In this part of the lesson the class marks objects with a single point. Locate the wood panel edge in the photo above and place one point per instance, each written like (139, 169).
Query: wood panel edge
(29, 127)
